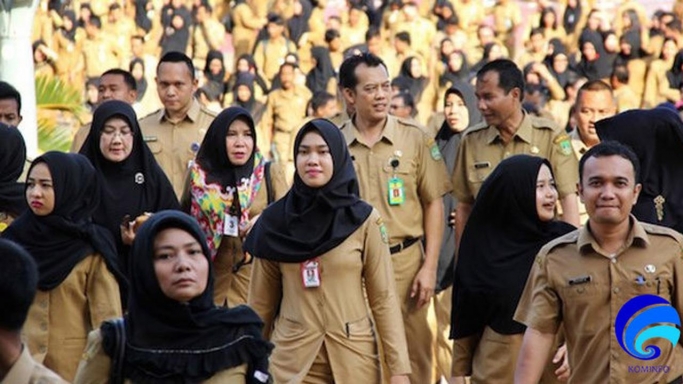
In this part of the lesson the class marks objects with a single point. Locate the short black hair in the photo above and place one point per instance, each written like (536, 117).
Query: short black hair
(536, 31)
(347, 70)
(407, 98)
(621, 74)
(611, 148)
(127, 77)
(18, 285)
(95, 21)
(509, 75)
(404, 37)
(372, 32)
(7, 91)
(594, 86)
(331, 34)
(287, 64)
(177, 57)
(320, 99)
(274, 18)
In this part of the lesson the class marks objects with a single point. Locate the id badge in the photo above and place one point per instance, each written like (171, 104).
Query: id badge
(231, 226)
(396, 193)
(310, 273)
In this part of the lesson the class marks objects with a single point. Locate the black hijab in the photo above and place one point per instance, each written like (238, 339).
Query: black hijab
(171, 342)
(70, 34)
(220, 77)
(297, 25)
(460, 75)
(131, 187)
(601, 67)
(467, 95)
(67, 235)
(318, 77)
(140, 84)
(656, 137)
(499, 244)
(675, 74)
(571, 17)
(12, 160)
(416, 85)
(307, 222)
(247, 79)
(213, 156)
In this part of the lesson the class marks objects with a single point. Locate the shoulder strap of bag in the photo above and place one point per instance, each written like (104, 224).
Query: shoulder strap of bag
(116, 373)
(269, 183)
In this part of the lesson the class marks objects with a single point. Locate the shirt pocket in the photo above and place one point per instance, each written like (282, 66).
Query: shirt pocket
(360, 329)
(288, 329)
(155, 146)
(582, 304)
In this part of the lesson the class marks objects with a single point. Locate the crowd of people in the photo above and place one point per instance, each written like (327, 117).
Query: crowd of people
(400, 192)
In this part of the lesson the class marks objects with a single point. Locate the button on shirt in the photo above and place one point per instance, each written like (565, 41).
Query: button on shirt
(575, 283)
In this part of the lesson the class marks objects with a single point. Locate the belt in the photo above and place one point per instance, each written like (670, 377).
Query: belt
(403, 245)
(678, 380)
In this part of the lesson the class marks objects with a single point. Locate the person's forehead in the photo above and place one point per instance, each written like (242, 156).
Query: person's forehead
(9, 105)
(178, 69)
(488, 81)
(113, 79)
(611, 166)
(366, 74)
(596, 99)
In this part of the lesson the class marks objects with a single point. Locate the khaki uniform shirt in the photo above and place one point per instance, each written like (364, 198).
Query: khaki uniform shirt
(626, 99)
(79, 138)
(175, 145)
(575, 283)
(336, 313)
(579, 149)
(270, 54)
(59, 320)
(205, 37)
(95, 366)
(481, 150)
(421, 168)
(285, 110)
(27, 371)
(100, 55)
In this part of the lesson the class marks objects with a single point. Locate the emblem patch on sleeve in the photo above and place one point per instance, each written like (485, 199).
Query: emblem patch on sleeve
(565, 144)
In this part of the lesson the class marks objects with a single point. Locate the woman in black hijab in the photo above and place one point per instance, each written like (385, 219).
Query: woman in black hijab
(173, 333)
(132, 183)
(226, 191)
(12, 161)
(137, 68)
(297, 24)
(317, 250)
(214, 70)
(243, 96)
(656, 136)
(595, 62)
(322, 77)
(512, 218)
(79, 281)
(411, 73)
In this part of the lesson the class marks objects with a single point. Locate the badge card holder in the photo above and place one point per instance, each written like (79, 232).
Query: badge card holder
(231, 223)
(310, 273)
(396, 187)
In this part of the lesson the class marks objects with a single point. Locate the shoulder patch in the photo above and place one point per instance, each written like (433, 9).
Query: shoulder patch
(147, 116)
(477, 127)
(435, 152)
(542, 122)
(564, 142)
(382, 230)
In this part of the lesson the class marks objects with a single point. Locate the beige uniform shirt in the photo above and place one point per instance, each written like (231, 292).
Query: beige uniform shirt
(174, 145)
(575, 283)
(285, 111)
(420, 167)
(27, 371)
(79, 138)
(59, 320)
(481, 150)
(95, 366)
(270, 54)
(336, 313)
(100, 55)
(205, 37)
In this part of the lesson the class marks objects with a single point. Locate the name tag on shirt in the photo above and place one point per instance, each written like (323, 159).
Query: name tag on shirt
(231, 226)
(396, 191)
(310, 273)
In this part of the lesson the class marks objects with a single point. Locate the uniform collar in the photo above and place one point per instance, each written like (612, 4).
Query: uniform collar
(524, 132)
(637, 236)
(22, 370)
(192, 113)
(579, 146)
(388, 132)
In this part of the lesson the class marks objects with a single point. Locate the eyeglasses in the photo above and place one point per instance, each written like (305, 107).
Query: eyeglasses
(111, 133)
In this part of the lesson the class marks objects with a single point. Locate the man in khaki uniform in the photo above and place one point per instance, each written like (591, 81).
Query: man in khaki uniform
(594, 102)
(422, 31)
(18, 286)
(506, 131)
(270, 53)
(583, 279)
(285, 111)
(99, 52)
(115, 84)
(207, 34)
(175, 132)
(402, 174)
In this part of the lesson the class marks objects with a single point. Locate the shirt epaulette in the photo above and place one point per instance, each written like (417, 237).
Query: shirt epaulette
(664, 231)
(149, 115)
(477, 127)
(208, 111)
(542, 122)
(569, 238)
